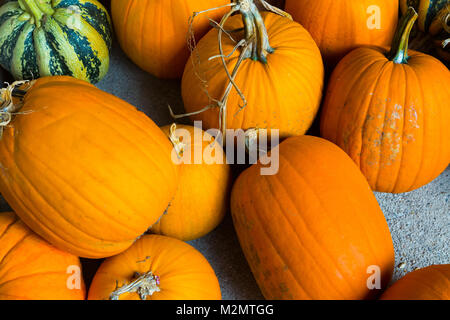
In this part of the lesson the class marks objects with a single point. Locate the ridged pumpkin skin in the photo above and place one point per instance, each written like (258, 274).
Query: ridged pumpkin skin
(430, 283)
(202, 198)
(32, 269)
(75, 40)
(84, 169)
(283, 94)
(312, 230)
(339, 26)
(153, 33)
(392, 119)
(184, 273)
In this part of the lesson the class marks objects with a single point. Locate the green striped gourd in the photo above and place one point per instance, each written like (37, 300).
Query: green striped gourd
(431, 13)
(55, 37)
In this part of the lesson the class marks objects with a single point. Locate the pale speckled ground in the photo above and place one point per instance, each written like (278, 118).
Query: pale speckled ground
(419, 221)
(420, 225)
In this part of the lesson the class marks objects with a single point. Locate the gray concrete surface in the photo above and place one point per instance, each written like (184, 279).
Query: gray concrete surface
(419, 221)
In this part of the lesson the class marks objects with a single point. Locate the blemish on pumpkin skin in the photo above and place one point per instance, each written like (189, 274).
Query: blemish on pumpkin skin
(254, 255)
(283, 287)
(266, 274)
(285, 291)
(144, 260)
(395, 151)
(414, 117)
(4, 170)
(249, 224)
(409, 138)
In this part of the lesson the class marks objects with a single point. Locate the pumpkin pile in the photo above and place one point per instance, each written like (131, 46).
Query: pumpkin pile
(90, 176)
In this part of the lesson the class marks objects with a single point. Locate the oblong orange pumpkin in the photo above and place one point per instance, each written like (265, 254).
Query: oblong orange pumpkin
(314, 230)
(32, 269)
(282, 90)
(430, 283)
(84, 169)
(389, 112)
(154, 33)
(170, 269)
(341, 26)
(202, 198)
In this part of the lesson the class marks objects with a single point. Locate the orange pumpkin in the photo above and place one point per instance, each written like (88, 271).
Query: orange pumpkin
(154, 33)
(84, 169)
(32, 269)
(430, 283)
(341, 26)
(156, 268)
(314, 230)
(389, 112)
(278, 71)
(201, 200)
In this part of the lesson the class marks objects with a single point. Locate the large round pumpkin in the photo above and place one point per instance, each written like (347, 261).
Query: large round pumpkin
(42, 38)
(430, 283)
(341, 26)
(156, 268)
(32, 269)
(201, 200)
(282, 84)
(389, 112)
(154, 33)
(314, 230)
(84, 169)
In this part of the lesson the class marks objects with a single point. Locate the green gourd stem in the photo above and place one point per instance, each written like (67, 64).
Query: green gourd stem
(255, 31)
(37, 9)
(399, 48)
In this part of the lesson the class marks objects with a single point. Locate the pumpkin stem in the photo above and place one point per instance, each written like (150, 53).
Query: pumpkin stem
(254, 29)
(177, 144)
(36, 9)
(144, 284)
(445, 43)
(255, 32)
(8, 105)
(255, 45)
(399, 48)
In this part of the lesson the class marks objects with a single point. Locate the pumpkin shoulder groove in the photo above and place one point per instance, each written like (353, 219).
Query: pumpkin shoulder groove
(301, 219)
(26, 276)
(17, 244)
(385, 120)
(402, 130)
(335, 223)
(75, 191)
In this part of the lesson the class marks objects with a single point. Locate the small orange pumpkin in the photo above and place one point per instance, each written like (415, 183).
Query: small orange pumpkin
(85, 170)
(201, 200)
(430, 283)
(277, 68)
(314, 230)
(154, 33)
(156, 268)
(341, 26)
(389, 111)
(32, 269)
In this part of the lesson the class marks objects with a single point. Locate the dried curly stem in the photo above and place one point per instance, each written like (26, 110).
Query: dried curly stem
(177, 143)
(145, 285)
(445, 43)
(255, 45)
(446, 22)
(9, 108)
